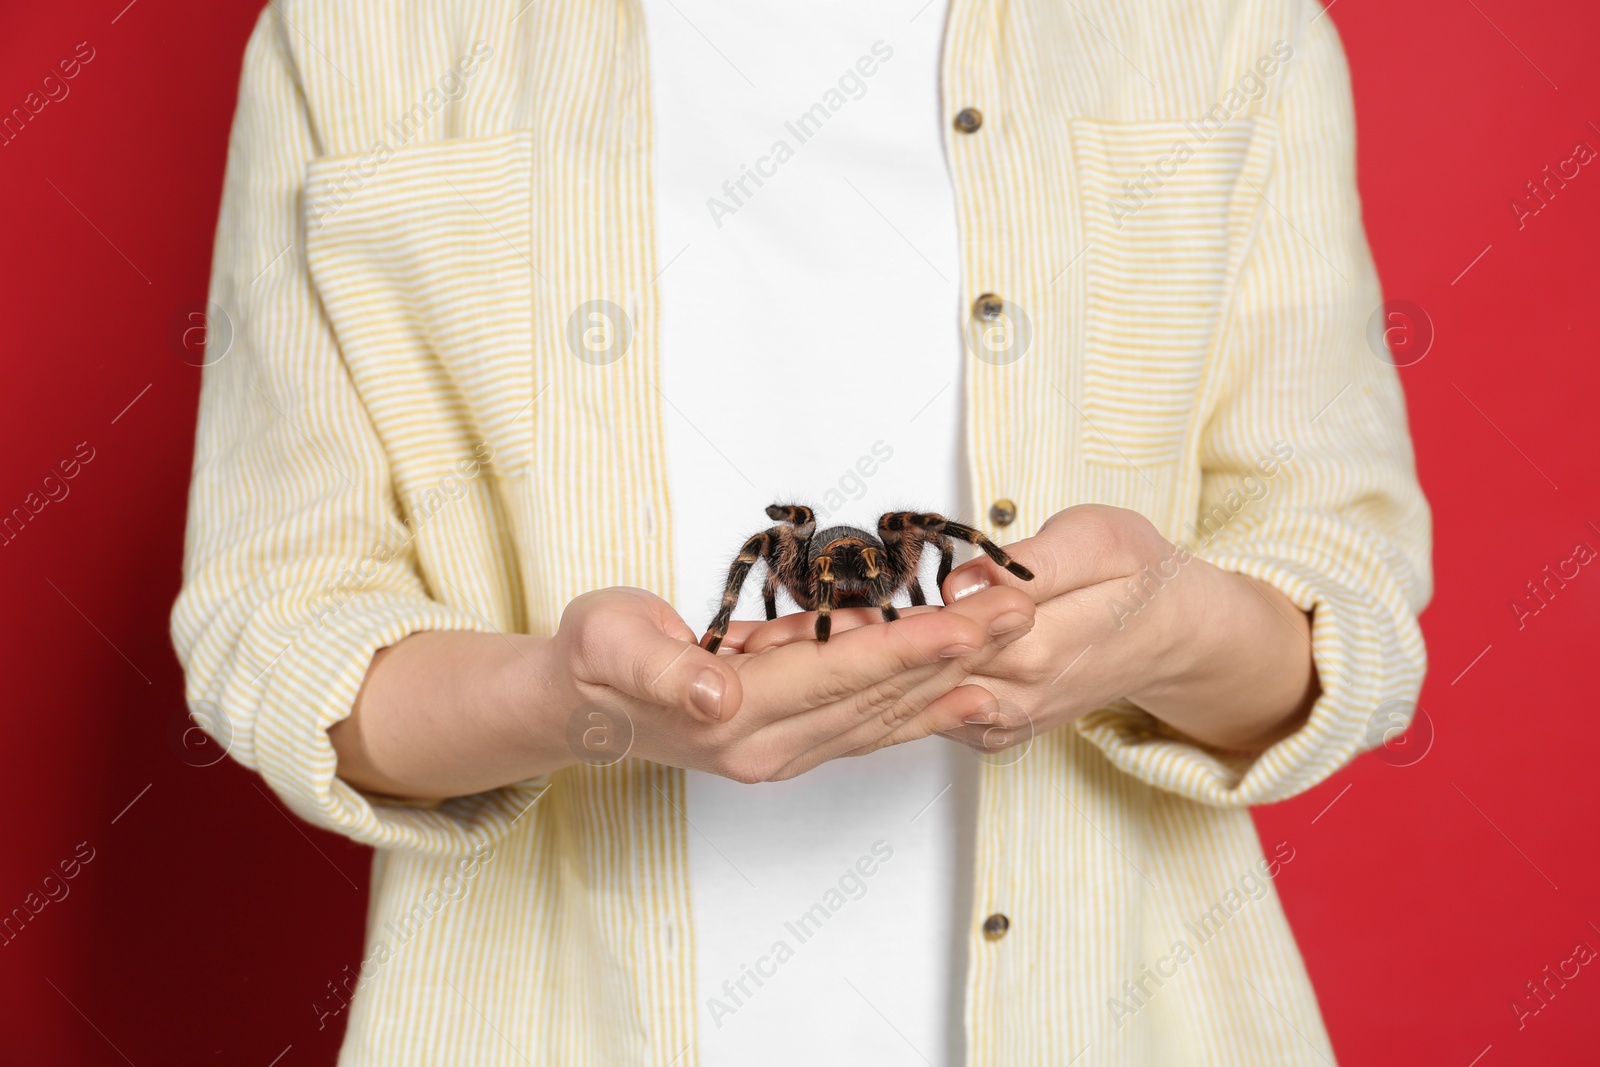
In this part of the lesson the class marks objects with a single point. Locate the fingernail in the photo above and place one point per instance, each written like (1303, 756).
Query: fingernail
(968, 589)
(954, 651)
(1011, 620)
(707, 693)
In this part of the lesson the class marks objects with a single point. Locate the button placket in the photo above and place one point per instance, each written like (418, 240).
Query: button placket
(972, 78)
(971, 82)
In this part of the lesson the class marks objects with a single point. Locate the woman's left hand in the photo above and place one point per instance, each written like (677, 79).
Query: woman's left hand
(1122, 614)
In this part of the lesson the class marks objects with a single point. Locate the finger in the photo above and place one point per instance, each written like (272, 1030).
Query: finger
(637, 656)
(861, 723)
(757, 636)
(672, 624)
(803, 626)
(1080, 546)
(883, 708)
(979, 719)
(739, 631)
(868, 714)
(964, 701)
(1004, 612)
(1040, 554)
(1013, 607)
(806, 675)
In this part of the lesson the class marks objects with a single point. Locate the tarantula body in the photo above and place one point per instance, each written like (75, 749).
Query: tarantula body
(844, 566)
(862, 573)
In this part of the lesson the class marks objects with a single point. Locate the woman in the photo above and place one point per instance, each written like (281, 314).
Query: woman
(536, 307)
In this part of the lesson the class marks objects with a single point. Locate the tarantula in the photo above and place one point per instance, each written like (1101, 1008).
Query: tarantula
(843, 566)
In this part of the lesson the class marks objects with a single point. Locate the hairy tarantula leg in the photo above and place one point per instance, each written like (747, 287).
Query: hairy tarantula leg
(754, 549)
(890, 612)
(938, 524)
(947, 559)
(902, 563)
(769, 591)
(824, 597)
(796, 515)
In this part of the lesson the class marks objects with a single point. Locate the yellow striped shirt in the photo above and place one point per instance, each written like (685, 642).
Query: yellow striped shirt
(424, 198)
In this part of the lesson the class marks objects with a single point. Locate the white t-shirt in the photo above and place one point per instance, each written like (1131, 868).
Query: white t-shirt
(812, 355)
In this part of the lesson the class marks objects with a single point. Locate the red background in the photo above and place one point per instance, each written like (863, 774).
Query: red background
(1424, 895)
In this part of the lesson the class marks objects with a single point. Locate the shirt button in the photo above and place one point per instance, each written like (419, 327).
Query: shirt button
(989, 307)
(968, 119)
(995, 926)
(1003, 513)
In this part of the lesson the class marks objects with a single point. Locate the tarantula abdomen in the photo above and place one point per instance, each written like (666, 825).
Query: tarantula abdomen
(843, 566)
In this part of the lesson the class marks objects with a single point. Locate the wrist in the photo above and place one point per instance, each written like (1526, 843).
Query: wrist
(1237, 671)
(531, 698)
(1188, 629)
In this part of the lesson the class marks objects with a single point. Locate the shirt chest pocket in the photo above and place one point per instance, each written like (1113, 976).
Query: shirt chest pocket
(1168, 210)
(422, 257)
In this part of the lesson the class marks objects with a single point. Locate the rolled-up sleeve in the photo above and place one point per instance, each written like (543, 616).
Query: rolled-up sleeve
(297, 562)
(1309, 481)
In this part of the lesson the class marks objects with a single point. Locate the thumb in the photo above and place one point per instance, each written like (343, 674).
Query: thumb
(679, 674)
